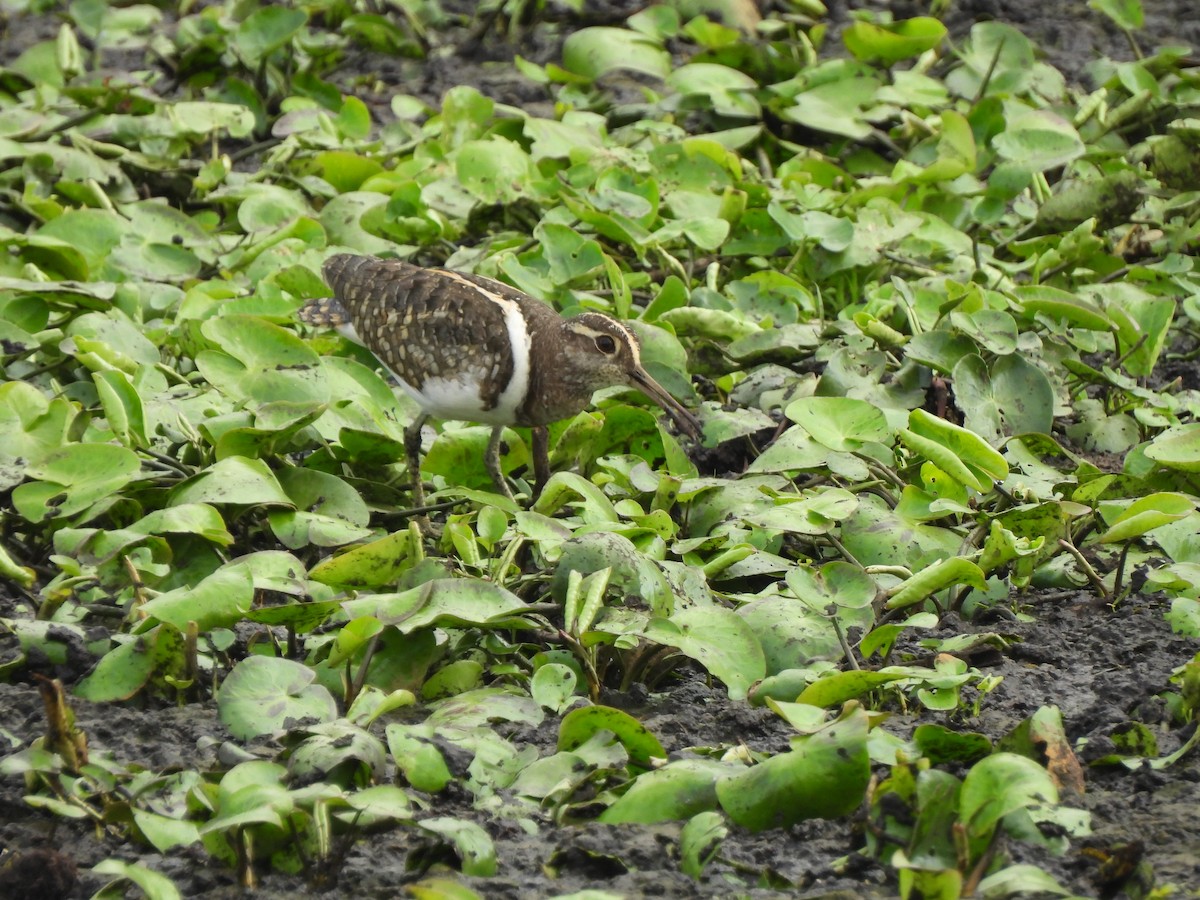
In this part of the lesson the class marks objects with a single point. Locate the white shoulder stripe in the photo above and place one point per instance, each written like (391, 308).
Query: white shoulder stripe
(513, 394)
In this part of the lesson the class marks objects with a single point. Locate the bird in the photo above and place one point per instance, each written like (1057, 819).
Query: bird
(473, 349)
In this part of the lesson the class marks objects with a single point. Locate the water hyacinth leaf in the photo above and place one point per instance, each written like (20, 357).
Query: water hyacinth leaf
(469, 842)
(267, 696)
(835, 688)
(579, 725)
(1142, 319)
(1039, 140)
(164, 832)
(699, 842)
(339, 751)
(960, 453)
(205, 117)
(790, 633)
(679, 790)
(1012, 396)
(835, 107)
(840, 583)
(494, 170)
(553, 686)
(726, 91)
(824, 775)
(234, 480)
(996, 786)
(877, 536)
(266, 30)
(942, 745)
(267, 207)
(443, 602)
(264, 364)
(1127, 14)
(717, 638)
(129, 667)
(794, 450)
(1143, 515)
(153, 884)
(72, 478)
(371, 565)
(380, 802)
(1061, 306)
(1043, 738)
(840, 423)
(219, 601)
(596, 51)
(346, 171)
(819, 513)
(1177, 448)
(1021, 880)
(890, 43)
(114, 336)
(998, 60)
(935, 578)
(329, 512)
(633, 573)
(122, 407)
(784, 686)
(956, 152)
(457, 677)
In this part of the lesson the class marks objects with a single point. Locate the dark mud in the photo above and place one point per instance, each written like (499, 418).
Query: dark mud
(1102, 668)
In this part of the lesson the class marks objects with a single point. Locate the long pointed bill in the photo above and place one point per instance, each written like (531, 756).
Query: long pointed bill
(641, 379)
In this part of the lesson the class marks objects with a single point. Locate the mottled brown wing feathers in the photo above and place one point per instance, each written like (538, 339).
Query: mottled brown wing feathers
(424, 323)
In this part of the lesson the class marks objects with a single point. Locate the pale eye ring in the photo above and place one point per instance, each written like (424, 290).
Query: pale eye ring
(605, 344)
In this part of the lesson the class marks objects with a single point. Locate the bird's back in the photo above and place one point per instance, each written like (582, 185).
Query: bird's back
(459, 343)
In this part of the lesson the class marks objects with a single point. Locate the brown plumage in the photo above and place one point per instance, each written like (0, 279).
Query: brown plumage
(467, 347)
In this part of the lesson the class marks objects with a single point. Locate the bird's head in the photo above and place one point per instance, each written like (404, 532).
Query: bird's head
(602, 353)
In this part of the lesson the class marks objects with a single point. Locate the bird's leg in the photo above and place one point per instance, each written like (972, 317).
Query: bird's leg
(412, 452)
(493, 462)
(541, 458)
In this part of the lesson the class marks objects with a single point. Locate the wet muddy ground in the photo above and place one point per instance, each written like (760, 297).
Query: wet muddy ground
(1103, 668)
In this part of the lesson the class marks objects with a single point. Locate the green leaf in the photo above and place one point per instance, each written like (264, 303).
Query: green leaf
(996, 786)
(1014, 397)
(888, 44)
(442, 602)
(699, 842)
(470, 842)
(935, 578)
(219, 601)
(73, 478)
(579, 725)
(234, 480)
(1127, 14)
(266, 30)
(679, 790)
(596, 51)
(835, 688)
(824, 775)
(267, 696)
(371, 565)
(960, 453)
(717, 638)
(129, 667)
(153, 885)
(1039, 140)
(1177, 448)
(840, 423)
(1145, 514)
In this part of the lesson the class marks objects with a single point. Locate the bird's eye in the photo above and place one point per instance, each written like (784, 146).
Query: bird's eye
(606, 344)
